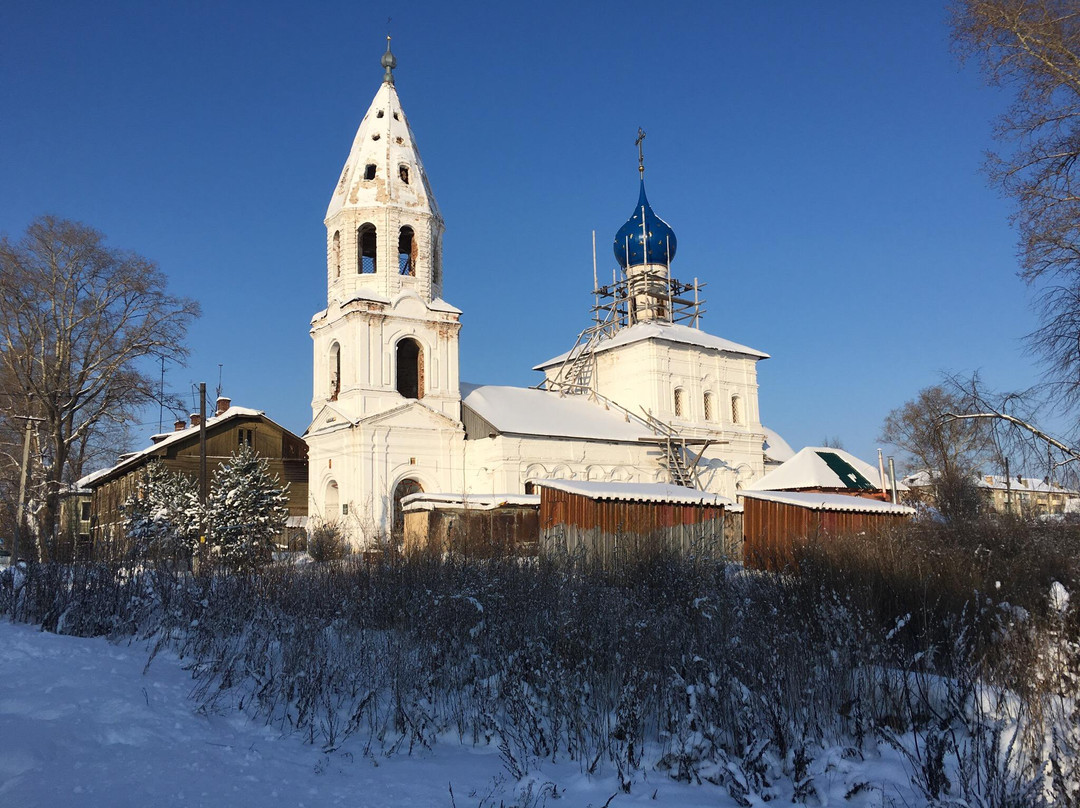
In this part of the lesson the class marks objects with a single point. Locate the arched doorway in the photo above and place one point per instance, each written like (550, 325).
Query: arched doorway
(410, 368)
(333, 507)
(401, 490)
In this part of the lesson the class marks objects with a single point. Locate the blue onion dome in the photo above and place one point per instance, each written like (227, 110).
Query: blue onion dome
(652, 244)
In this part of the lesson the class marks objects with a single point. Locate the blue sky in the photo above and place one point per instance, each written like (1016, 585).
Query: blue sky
(819, 162)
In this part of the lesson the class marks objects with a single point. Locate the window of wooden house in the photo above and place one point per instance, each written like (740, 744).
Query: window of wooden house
(406, 252)
(410, 368)
(245, 437)
(84, 511)
(366, 247)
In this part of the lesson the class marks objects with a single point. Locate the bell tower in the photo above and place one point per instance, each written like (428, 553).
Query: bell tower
(383, 227)
(385, 402)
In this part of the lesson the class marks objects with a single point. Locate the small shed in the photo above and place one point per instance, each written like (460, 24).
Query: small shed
(603, 522)
(479, 526)
(774, 520)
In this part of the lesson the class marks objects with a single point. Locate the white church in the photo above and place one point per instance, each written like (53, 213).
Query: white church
(643, 396)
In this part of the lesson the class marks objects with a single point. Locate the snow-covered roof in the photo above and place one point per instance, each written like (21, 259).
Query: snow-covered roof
(829, 502)
(438, 304)
(366, 295)
(133, 458)
(1020, 483)
(820, 467)
(776, 448)
(997, 482)
(88, 479)
(475, 502)
(524, 411)
(667, 332)
(661, 493)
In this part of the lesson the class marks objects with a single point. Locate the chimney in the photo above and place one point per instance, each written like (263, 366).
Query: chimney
(223, 404)
(195, 418)
(180, 425)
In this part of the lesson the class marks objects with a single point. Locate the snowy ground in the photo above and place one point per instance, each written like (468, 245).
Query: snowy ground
(82, 725)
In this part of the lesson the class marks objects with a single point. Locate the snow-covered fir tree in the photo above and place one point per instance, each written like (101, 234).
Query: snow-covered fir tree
(246, 507)
(162, 518)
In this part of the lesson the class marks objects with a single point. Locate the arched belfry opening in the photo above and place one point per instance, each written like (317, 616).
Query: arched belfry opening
(366, 249)
(401, 490)
(406, 251)
(410, 368)
(336, 257)
(335, 371)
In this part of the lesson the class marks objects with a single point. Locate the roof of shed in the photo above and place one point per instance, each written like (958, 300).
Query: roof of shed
(659, 493)
(474, 502)
(829, 502)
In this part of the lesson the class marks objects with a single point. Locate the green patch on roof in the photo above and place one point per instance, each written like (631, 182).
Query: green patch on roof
(847, 473)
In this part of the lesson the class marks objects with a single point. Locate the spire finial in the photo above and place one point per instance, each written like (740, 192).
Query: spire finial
(388, 62)
(640, 152)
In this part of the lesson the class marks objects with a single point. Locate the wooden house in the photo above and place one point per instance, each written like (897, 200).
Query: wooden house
(227, 430)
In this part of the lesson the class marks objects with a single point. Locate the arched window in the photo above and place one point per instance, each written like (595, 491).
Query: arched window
(680, 403)
(406, 252)
(402, 490)
(336, 254)
(736, 410)
(436, 260)
(335, 371)
(410, 368)
(365, 248)
(403, 171)
(708, 406)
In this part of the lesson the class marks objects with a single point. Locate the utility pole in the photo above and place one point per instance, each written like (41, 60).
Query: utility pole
(201, 555)
(22, 484)
(1008, 488)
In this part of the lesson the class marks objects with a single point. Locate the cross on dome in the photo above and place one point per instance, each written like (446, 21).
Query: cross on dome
(645, 238)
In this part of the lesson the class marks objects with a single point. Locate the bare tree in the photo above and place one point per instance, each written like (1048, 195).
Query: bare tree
(1010, 424)
(951, 452)
(76, 318)
(1033, 47)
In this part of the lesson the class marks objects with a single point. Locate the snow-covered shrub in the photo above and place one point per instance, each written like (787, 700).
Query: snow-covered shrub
(246, 508)
(161, 520)
(326, 541)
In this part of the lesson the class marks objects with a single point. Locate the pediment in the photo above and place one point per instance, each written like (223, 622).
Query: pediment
(412, 414)
(409, 304)
(329, 418)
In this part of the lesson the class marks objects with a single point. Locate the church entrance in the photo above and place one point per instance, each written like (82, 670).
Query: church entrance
(402, 490)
